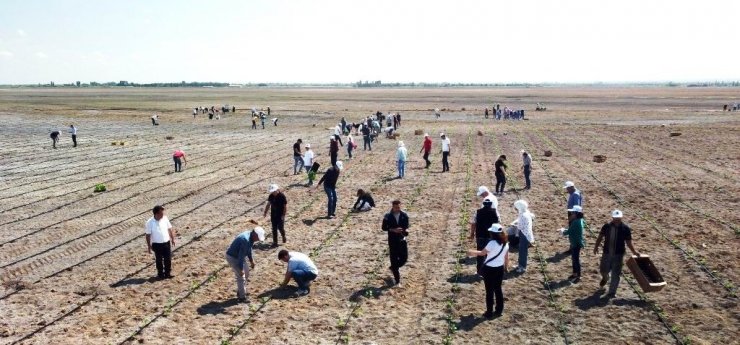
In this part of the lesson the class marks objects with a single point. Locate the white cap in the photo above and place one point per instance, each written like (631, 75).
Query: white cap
(496, 228)
(616, 214)
(441, 134)
(340, 165)
(482, 189)
(576, 208)
(273, 187)
(569, 184)
(332, 138)
(400, 143)
(260, 233)
(426, 135)
(308, 146)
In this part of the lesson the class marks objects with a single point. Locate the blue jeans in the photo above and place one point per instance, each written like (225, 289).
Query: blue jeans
(575, 255)
(523, 251)
(401, 168)
(297, 164)
(331, 195)
(303, 278)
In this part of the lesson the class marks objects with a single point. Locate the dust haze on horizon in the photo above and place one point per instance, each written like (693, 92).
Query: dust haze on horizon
(346, 41)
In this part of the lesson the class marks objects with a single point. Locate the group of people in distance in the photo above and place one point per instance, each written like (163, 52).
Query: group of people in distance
(54, 135)
(507, 113)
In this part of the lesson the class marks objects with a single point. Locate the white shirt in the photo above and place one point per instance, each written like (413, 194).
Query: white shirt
(73, 130)
(446, 145)
(300, 261)
(524, 225)
(337, 130)
(493, 248)
(308, 158)
(159, 230)
(402, 154)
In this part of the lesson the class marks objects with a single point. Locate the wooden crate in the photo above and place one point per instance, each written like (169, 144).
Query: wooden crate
(646, 274)
(418, 132)
(548, 153)
(675, 134)
(599, 158)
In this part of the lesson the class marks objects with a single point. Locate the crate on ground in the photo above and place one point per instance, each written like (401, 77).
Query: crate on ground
(548, 153)
(675, 134)
(418, 132)
(646, 274)
(599, 158)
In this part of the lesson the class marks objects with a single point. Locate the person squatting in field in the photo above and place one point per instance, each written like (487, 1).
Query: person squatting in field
(364, 201)
(301, 269)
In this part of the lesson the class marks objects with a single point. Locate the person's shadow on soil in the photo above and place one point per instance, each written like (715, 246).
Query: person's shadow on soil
(135, 281)
(470, 321)
(280, 292)
(512, 274)
(595, 300)
(388, 179)
(216, 307)
(309, 222)
(465, 278)
(467, 261)
(557, 257)
(371, 291)
(262, 246)
(554, 285)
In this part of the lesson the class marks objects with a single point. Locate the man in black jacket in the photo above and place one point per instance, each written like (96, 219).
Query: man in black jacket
(330, 187)
(396, 223)
(484, 218)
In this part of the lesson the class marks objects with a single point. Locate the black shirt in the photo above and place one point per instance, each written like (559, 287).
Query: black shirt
(366, 198)
(296, 149)
(484, 218)
(365, 130)
(277, 204)
(500, 167)
(389, 222)
(624, 233)
(330, 177)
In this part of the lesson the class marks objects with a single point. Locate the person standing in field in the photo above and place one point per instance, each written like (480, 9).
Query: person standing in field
(366, 137)
(160, 238)
(495, 265)
(301, 269)
(254, 121)
(364, 201)
(155, 120)
(179, 157)
(401, 156)
(333, 149)
(500, 166)
(574, 232)
(524, 224)
(615, 235)
(483, 219)
(344, 124)
(398, 118)
(426, 148)
(73, 132)
(330, 187)
(396, 224)
(277, 204)
(338, 133)
(574, 195)
(54, 135)
(263, 117)
(297, 157)
(239, 250)
(350, 145)
(195, 112)
(308, 163)
(526, 168)
(445, 152)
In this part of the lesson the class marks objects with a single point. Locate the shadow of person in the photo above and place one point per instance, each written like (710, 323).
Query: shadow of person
(467, 261)
(135, 281)
(554, 285)
(557, 257)
(512, 274)
(470, 321)
(464, 278)
(595, 300)
(309, 222)
(216, 307)
(371, 291)
(280, 292)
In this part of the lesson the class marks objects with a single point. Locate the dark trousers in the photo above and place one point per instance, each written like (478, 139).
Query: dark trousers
(500, 183)
(426, 158)
(333, 158)
(527, 172)
(331, 196)
(162, 258)
(575, 256)
(349, 149)
(254, 125)
(178, 164)
(303, 279)
(445, 163)
(493, 277)
(399, 253)
(366, 143)
(339, 139)
(278, 224)
(54, 141)
(74, 140)
(480, 243)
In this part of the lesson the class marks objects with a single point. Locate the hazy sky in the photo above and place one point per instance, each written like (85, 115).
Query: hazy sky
(348, 40)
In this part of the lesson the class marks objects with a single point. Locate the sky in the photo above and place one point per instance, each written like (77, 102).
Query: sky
(343, 41)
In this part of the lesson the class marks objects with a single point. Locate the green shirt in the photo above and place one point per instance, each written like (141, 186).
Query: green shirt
(575, 233)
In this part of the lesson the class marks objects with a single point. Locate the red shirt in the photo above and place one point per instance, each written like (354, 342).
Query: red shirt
(427, 145)
(178, 154)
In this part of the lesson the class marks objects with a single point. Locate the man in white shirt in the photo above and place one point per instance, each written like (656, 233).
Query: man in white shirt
(73, 131)
(445, 152)
(160, 238)
(300, 268)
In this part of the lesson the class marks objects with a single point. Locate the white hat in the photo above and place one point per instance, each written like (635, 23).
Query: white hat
(496, 228)
(273, 187)
(332, 138)
(426, 135)
(308, 146)
(576, 208)
(616, 214)
(569, 184)
(400, 143)
(482, 189)
(340, 165)
(260, 233)
(441, 134)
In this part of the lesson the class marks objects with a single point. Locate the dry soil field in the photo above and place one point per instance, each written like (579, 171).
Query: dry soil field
(74, 267)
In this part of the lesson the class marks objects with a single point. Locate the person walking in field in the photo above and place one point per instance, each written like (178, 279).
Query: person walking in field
(577, 241)
(179, 157)
(524, 226)
(426, 148)
(366, 138)
(73, 132)
(160, 238)
(396, 224)
(301, 269)
(297, 157)
(240, 250)
(333, 149)
(445, 152)
(483, 219)
(330, 187)
(308, 164)
(495, 265)
(401, 156)
(615, 234)
(527, 169)
(54, 135)
(500, 173)
(277, 204)
(350, 145)
(364, 201)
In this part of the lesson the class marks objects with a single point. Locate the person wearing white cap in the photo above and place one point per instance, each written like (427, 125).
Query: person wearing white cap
(494, 267)
(575, 236)
(526, 234)
(240, 249)
(330, 187)
(615, 235)
(277, 204)
(481, 221)
(427, 148)
(574, 195)
(308, 164)
(402, 155)
(445, 152)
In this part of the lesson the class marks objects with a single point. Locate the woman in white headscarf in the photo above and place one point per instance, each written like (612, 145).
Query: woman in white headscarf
(401, 156)
(526, 234)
